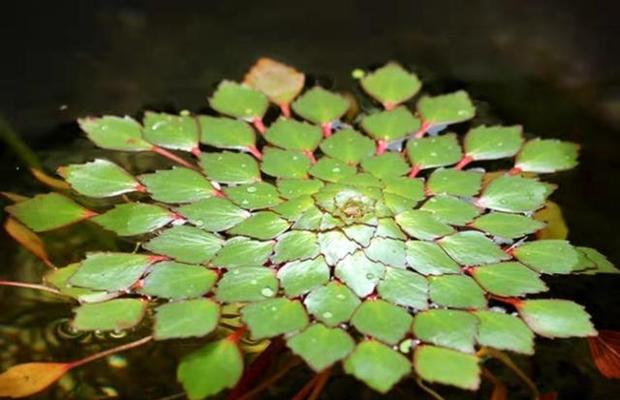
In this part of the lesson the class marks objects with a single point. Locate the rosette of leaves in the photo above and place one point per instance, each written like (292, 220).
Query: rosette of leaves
(371, 244)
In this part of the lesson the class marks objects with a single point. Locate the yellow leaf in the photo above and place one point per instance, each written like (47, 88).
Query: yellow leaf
(27, 379)
(277, 81)
(27, 238)
(556, 227)
(45, 179)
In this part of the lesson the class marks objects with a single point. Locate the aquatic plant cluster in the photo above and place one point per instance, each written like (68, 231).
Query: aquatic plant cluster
(377, 241)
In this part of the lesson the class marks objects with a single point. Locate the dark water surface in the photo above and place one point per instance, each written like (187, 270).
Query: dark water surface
(551, 66)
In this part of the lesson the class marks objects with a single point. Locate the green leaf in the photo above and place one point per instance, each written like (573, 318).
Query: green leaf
(429, 259)
(253, 196)
(601, 263)
(300, 277)
(247, 284)
(177, 132)
(183, 319)
(238, 101)
(111, 271)
(359, 233)
(508, 279)
(293, 209)
(331, 170)
(409, 188)
(507, 226)
(450, 367)
(221, 361)
(390, 125)
(186, 244)
(389, 164)
(556, 318)
(229, 167)
(112, 315)
(294, 135)
(285, 163)
(359, 273)
(172, 280)
(472, 248)
(332, 304)
(432, 152)
(404, 288)
(243, 252)
(335, 246)
(226, 133)
(493, 142)
(291, 188)
(296, 245)
(504, 332)
(382, 320)
(446, 109)
(548, 256)
(377, 365)
(131, 219)
(456, 291)
(45, 212)
(213, 214)
(453, 329)
(274, 317)
(450, 210)
(115, 133)
(454, 182)
(549, 155)
(321, 347)
(390, 252)
(348, 146)
(513, 193)
(422, 225)
(59, 278)
(177, 185)
(98, 178)
(320, 106)
(261, 225)
(386, 227)
(391, 84)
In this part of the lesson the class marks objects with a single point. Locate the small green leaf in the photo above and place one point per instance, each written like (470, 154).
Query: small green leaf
(360, 233)
(472, 248)
(389, 164)
(253, 196)
(131, 219)
(391, 125)
(446, 109)
(429, 259)
(382, 320)
(177, 185)
(390, 252)
(422, 225)
(285, 163)
(450, 367)
(386, 227)
(404, 288)
(300, 277)
(239, 101)
(455, 182)
(409, 188)
(45, 212)
(391, 84)
(335, 246)
(549, 155)
(447, 328)
(228, 167)
(321, 347)
(247, 284)
(310, 219)
(261, 225)
(172, 280)
(508, 226)
(450, 210)
(332, 304)
(177, 132)
(294, 135)
(183, 319)
(243, 252)
(221, 361)
(359, 273)
(115, 133)
(556, 318)
(432, 152)
(548, 256)
(59, 278)
(213, 214)
(291, 188)
(508, 279)
(331, 170)
(348, 146)
(296, 245)
(513, 193)
(98, 178)
(293, 209)
(320, 106)
(111, 271)
(274, 317)
(493, 142)
(186, 244)
(377, 365)
(504, 332)
(601, 263)
(226, 133)
(112, 315)
(456, 291)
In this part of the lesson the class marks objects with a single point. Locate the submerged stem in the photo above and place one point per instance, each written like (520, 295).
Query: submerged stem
(505, 359)
(272, 379)
(171, 156)
(111, 351)
(323, 377)
(34, 286)
(428, 390)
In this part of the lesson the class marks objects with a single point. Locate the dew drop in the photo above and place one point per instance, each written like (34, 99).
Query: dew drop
(370, 276)
(251, 189)
(340, 296)
(327, 315)
(253, 282)
(267, 292)
(335, 169)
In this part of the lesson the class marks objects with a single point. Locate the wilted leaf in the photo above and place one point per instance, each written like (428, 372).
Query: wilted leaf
(277, 81)
(25, 380)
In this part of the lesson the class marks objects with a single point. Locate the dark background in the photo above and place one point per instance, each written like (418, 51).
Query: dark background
(549, 65)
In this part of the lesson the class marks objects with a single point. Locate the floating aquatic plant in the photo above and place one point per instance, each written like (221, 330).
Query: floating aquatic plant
(380, 243)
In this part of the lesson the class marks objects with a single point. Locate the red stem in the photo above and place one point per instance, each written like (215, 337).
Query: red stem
(515, 171)
(415, 170)
(423, 129)
(255, 152)
(464, 162)
(111, 351)
(26, 285)
(171, 156)
(513, 301)
(285, 108)
(382, 146)
(259, 125)
(327, 129)
(196, 151)
(236, 336)
(389, 106)
(310, 155)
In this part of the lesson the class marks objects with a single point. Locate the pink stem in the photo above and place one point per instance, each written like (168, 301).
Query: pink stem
(255, 152)
(310, 155)
(26, 285)
(423, 129)
(196, 151)
(389, 106)
(236, 336)
(382, 146)
(111, 351)
(259, 125)
(464, 162)
(513, 301)
(415, 170)
(515, 171)
(171, 156)
(327, 129)
(285, 108)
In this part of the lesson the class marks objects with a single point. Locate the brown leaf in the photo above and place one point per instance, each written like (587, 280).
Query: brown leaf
(27, 379)
(605, 349)
(499, 392)
(548, 396)
(27, 238)
(47, 180)
(556, 227)
(277, 81)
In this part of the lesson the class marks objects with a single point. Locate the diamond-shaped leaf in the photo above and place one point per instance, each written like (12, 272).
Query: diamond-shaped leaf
(45, 212)
(361, 234)
(549, 155)
(447, 328)
(390, 252)
(508, 279)
(183, 319)
(404, 288)
(300, 277)
(556, 318)
(320, 106)
(177, 132)
(274, 317)
(239, 101)
(247, 284)
(213, 214)
(253, 196)
(412, 189)
(359, 273)
(386, 227)
(507, 226)
(226, 133)
(548, 256)
(228, 167)
(386, 165)
(279, 82)
(450, 367)
(115, 133)
(112, 315)
(472, 248)
(429, 259)
(514, 194)
(422, 225)
(296, 245)
(291, 188)
(134, 218)
(186, 244)
(285, 163)
(454, 182)
(320, 346)
(391, 84)
(173, 280)
(331, 170)
(59, 278)
(601, 263)
(243, 252)
(493, 142)
(293, 209)
(432, 152)
(456, 291)
(177, 185)
(261, 225)
(348, 146)
(450, 210)
(504, 332)
(111, 271)
(332, 304)
(446, 109)
(99, 178)
(382, 320)
(391, 125)
(294, 135)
